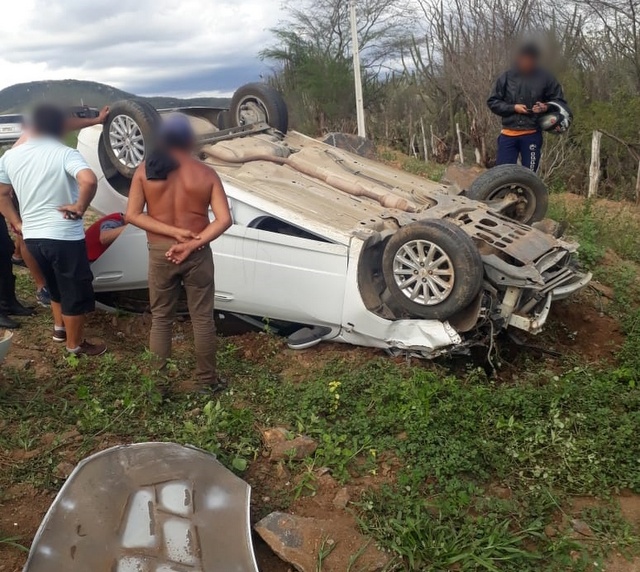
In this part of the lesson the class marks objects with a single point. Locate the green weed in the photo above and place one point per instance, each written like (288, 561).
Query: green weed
(599, 228)
(13, 542)
(611, 531)
(413, 165)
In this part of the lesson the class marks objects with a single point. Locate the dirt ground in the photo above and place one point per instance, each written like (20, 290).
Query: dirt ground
(578, 327)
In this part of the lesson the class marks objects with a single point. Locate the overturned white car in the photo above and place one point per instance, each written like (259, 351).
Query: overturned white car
(348, 248)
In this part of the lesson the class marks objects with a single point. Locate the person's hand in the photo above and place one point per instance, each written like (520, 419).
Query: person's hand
(521, 108)
(540, 107)
(180, 252)
(183, 235)
(72, 212)
(17, 228)
(104, 113)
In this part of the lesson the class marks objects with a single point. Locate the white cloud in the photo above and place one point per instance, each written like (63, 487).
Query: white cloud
(145, 46)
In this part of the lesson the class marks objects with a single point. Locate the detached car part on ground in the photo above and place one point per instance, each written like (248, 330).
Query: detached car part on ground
(149, 507)
(353, 249)
(5, 344)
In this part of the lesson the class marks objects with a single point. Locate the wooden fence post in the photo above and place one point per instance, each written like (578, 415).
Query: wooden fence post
(433, 141)
(460, 153)
(594, 167)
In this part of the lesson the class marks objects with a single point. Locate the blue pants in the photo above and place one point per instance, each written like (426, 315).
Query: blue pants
(525, 147)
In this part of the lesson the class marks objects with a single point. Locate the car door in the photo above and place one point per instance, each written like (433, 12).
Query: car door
(124, 266)
(272, 275)
(258, 272)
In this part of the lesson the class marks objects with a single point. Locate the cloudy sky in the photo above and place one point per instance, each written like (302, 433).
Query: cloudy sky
(149, 47)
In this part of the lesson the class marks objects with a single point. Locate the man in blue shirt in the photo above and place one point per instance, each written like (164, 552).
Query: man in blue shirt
(54, 187)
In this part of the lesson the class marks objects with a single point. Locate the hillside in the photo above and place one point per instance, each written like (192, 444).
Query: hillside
(21, 96)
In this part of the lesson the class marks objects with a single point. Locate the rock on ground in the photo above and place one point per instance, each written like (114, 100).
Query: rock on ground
(275, 435)
(342, 498)
(297, 449)
(581, 528)
(284, 448)
(299, 541)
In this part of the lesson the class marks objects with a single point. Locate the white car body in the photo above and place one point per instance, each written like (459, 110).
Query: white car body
(312, 279)
(11, 128)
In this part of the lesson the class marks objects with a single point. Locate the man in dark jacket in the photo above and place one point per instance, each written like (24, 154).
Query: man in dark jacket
(520, 96)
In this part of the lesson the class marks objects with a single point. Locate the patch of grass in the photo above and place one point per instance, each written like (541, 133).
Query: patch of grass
(118, 398)
(413, 165)
(572, 431)
(587, 228)
(611, 531)
(433, 534)
(599, 226)
(430, 170)
(450, 440)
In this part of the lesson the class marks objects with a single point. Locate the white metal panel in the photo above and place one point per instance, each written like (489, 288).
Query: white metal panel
(124, 266)
(282, 277)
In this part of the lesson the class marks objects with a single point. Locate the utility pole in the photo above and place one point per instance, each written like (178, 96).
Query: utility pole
(355, 48)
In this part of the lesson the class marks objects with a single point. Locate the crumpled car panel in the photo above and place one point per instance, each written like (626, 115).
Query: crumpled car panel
(149, 507)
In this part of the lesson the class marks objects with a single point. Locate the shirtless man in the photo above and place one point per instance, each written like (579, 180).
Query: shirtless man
(178, 191)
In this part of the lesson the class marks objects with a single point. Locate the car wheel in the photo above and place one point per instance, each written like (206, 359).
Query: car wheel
(523, 184)
(256, 103)
(128, 134)
(432, 269)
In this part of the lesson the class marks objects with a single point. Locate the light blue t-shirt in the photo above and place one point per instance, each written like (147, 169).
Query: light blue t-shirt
(42, 172)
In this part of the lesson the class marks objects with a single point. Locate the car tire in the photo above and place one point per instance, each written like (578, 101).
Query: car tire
(498, 182)
(129, 133)
(452, 282)
(256, 102)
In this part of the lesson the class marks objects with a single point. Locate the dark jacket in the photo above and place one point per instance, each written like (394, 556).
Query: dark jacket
(512, 88)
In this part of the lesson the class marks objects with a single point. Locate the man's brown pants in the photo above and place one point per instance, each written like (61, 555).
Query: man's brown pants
(165, 281)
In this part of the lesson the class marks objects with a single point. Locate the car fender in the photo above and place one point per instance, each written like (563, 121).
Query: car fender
(360, 326)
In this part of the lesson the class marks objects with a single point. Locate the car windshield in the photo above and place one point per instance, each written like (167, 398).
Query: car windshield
(11, 119)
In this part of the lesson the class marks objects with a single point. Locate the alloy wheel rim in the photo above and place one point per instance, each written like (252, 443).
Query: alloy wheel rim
(127, 141)
(423, 272)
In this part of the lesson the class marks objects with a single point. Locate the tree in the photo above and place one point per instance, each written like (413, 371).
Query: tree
(312, 53)
(433, 63)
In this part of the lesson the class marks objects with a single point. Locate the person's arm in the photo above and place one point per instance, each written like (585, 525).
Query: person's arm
(109, 235)
(221, 223)
(136, 216)
(77, 167)
(8, 209)
(496, 101)
(78, 123)
(554, 92)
